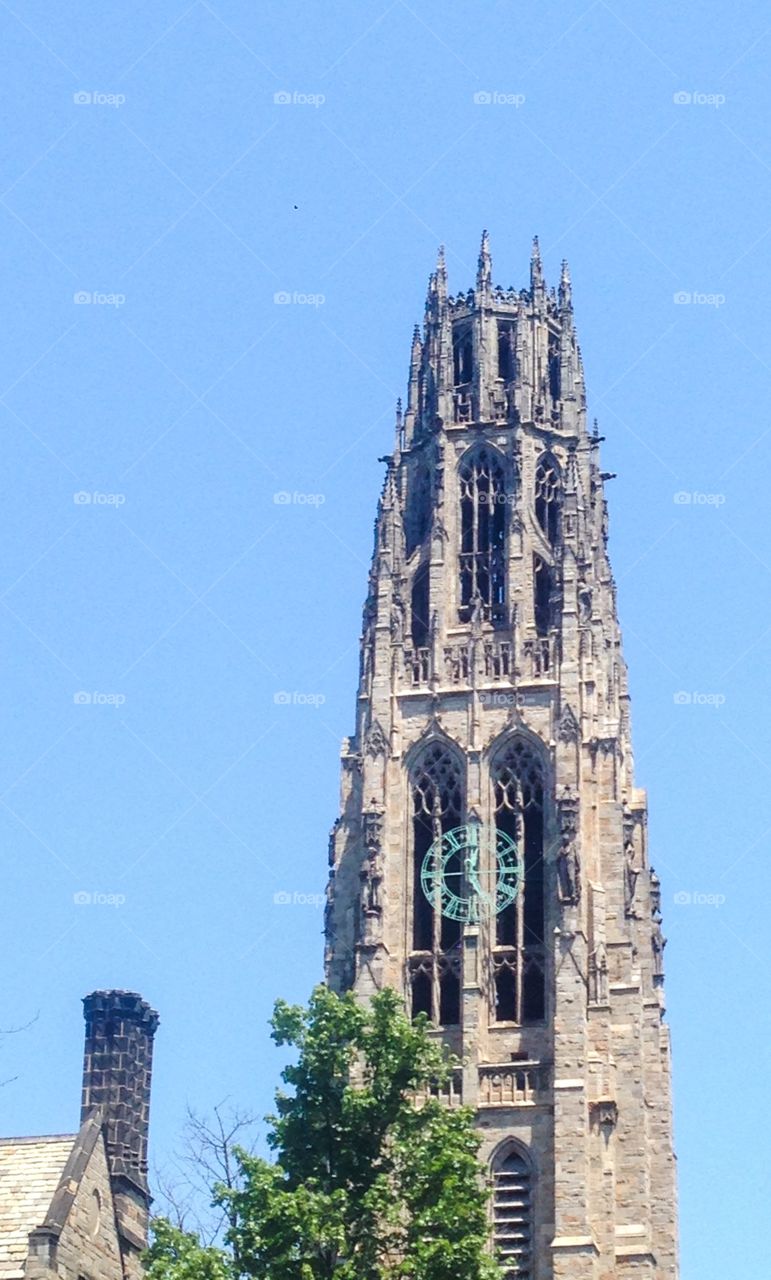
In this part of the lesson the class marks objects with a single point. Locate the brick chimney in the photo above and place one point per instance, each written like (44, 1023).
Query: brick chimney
(117, 1068)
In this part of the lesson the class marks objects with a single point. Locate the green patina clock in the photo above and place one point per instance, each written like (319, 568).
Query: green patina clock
(469, 873)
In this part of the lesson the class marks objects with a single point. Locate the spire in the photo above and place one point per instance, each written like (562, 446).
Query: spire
(484, 265)
(566, 292)
(536, 269)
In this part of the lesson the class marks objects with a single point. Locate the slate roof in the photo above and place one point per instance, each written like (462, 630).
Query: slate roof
(30, 1172)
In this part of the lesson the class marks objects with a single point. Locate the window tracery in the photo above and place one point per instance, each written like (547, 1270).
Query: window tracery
(519, 955)
(483, 501)
(437, 807)
(548, 497)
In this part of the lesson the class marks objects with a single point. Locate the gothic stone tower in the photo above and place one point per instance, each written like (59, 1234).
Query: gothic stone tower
(493, 691)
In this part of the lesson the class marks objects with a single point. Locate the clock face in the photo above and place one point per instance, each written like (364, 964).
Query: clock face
(470, 873)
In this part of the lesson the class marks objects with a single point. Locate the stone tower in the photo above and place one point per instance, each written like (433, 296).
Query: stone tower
(493, 698)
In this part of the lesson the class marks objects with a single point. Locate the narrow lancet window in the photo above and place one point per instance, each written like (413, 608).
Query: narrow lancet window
(462, 351)
(420, 608)
(543, 581)
(506, 351)
(418, 516)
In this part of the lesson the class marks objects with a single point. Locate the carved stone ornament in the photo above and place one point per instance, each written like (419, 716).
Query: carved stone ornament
(376, 741)
(568, 860)
(568, 871)
(631, 876)
(604, 1112)
(598, 975)
(568, 727)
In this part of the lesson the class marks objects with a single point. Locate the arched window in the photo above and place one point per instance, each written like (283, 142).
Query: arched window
(519, 953)
(482, 535)
(513, 1215)
(548, 497)
(437, 807)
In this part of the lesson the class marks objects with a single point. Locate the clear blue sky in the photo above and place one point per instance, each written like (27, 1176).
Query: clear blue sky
(184, 397)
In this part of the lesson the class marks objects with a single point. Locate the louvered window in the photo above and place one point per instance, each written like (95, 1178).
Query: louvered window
(512, 1217)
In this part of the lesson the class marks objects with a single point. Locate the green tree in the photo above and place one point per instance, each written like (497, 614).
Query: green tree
(366, 1185)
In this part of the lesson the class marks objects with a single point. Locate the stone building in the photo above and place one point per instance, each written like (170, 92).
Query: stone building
(76, 1206)
(491, 859)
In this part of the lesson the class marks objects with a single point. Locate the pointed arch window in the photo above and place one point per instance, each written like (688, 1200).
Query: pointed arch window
(519, 953)
(436, 787)
(483, 502)
(513, 1214)
(548, 497)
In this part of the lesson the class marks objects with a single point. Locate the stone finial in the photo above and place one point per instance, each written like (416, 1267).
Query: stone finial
(484, 264)
(565, 290)
(536, 267)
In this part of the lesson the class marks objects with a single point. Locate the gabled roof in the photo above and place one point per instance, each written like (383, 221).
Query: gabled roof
(30, 1172)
